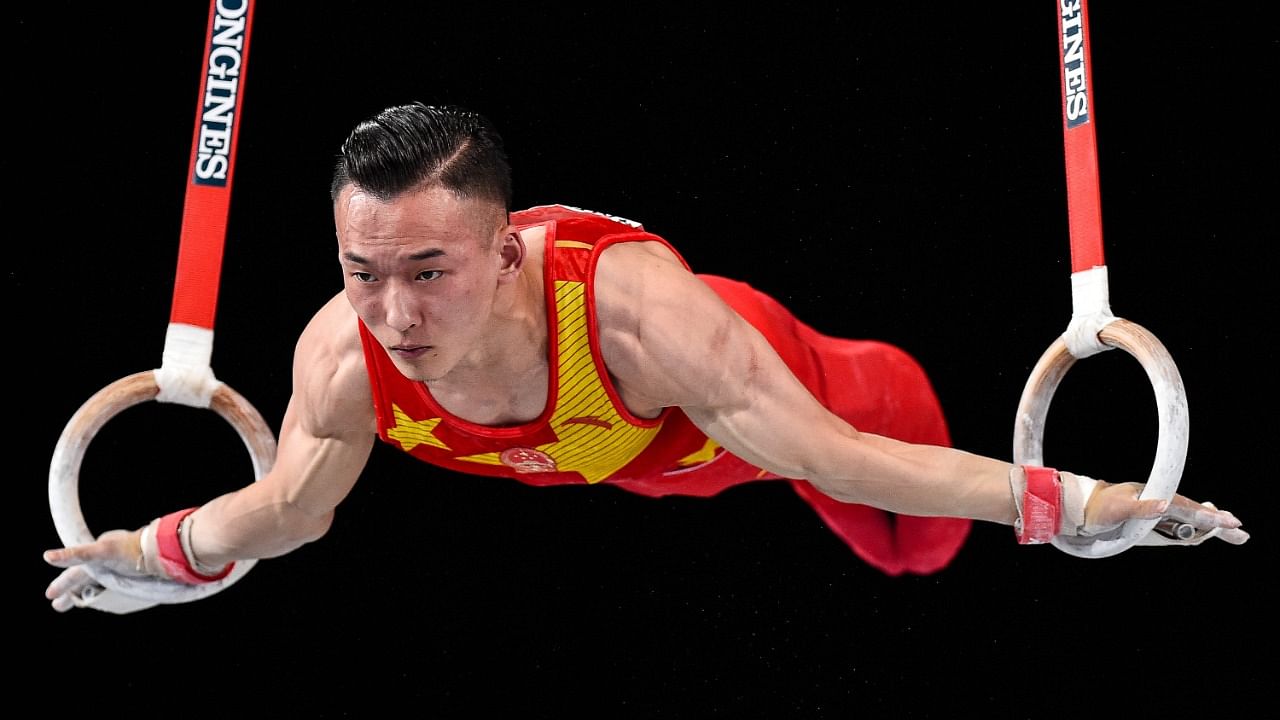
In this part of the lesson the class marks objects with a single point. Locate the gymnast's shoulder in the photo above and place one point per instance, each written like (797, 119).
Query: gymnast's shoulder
(329, 376)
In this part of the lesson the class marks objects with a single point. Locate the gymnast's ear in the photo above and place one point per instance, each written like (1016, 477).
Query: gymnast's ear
(511, 251)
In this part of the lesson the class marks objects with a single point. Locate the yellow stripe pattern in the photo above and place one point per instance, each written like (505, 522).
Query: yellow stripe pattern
(599, 442)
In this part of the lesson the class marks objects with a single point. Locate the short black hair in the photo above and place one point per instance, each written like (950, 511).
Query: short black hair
(414, 145)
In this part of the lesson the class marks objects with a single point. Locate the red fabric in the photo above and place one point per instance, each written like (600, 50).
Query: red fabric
(1080, 146)
(676, 438)
(874, 386)
(172, 557)
(206, 205)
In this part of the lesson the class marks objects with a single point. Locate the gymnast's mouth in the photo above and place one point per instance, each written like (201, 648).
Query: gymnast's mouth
(410, 351)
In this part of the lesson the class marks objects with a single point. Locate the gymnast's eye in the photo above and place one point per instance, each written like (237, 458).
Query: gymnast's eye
(362, 277)
(429, 274)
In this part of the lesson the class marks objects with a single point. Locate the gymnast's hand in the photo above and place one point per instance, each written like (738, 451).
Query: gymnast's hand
(1111, 504)
(119, 551)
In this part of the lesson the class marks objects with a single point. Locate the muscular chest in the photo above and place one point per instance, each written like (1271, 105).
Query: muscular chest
(498, 400)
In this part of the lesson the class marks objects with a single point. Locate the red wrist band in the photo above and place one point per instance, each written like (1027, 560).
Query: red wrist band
(175, 562)
(1041, 506)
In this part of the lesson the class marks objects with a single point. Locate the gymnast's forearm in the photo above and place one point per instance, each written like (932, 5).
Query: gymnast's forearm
(783, 429)
(289, 507)
(925, 480)
(253, 523)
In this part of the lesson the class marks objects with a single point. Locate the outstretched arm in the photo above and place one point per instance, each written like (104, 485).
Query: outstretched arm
(325, 440)
(671, 341)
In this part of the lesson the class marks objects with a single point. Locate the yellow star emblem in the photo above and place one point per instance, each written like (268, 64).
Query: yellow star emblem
(411, 433)
(705, 454)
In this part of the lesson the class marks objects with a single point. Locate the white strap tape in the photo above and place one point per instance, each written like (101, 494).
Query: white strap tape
(185, 375)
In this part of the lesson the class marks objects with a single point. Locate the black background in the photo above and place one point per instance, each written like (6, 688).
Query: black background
(892, 173)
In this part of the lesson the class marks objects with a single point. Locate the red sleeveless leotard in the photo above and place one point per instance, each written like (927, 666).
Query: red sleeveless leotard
(586, 435)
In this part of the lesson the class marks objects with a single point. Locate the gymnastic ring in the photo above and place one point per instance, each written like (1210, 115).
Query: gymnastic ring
(64, 478)
(1171, 443)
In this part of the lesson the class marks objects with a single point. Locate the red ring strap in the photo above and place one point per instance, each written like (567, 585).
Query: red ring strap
(1084, 207)
(209, 174)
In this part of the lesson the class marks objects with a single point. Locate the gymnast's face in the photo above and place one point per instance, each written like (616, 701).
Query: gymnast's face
(424, 271)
